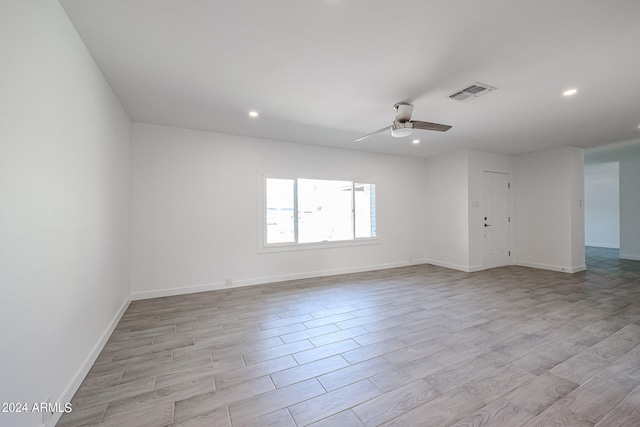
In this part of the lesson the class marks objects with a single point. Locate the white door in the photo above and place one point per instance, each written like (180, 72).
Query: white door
(495, 213)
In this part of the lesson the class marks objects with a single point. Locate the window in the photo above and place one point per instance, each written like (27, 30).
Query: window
(315, 210)
(280, 211)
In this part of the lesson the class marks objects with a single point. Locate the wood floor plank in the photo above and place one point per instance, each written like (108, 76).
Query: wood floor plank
(239, 375)
(442, 411)
(625, 370)
(626, 413)
(320, 407)
(141, 370)
(120, 365)
(612, 348)
(539, 394)
(343, 419)
(410, 353)
(182, 389)
(183, 378)
(280, 418)
(80, 416)
(340, 335)
(317, 353)
(207, 402)
(355, 373)
(560, 416)
(309, 333)
(152, 416)
(581, 367)
(330, 320)
(153, 348)
(500, 413)
(109, 394)
(498, 383)
(286, 321)
(398, 376)
(458, 375)
(458, 353)
(394, 403)
(372, 350)
(595, 398)
(244, 411)
(216, 418)
(277, 351)
(100, 382)
(309, 370)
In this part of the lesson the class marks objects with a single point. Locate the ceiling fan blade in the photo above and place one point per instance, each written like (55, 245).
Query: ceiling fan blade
(430, 126)
(404, 111)
(373, 133)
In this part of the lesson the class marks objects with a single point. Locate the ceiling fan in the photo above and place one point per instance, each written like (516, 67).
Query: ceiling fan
(403, 125)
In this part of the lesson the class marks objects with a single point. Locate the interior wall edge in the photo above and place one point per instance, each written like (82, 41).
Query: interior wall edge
(75, 382)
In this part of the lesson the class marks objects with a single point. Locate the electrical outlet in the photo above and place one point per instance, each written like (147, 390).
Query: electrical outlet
(228, 282)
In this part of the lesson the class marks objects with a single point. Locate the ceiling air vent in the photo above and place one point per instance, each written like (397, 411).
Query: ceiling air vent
(474, 91)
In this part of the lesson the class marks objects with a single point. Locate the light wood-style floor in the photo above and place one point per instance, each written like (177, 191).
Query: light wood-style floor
(420, 345)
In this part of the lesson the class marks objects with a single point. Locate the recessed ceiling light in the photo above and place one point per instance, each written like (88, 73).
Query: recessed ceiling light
(253, 113)
(416, 141)
(570, 92)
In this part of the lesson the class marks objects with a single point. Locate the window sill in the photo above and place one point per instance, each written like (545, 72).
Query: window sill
(291, 247)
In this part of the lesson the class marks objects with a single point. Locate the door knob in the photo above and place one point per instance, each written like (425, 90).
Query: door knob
(487, 225)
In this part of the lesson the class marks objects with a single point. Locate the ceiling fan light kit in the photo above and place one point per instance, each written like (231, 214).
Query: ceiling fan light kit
(399, 130)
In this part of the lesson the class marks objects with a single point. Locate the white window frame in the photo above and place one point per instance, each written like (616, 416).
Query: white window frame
(264, 247)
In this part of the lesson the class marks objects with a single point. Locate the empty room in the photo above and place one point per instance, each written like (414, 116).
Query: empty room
(319, 213)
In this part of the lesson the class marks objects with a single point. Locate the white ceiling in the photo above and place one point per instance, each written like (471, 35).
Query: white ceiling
(328, 71)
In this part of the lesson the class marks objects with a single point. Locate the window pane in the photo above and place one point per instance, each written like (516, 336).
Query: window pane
(324, 210)
(280, 209)
(365, 210)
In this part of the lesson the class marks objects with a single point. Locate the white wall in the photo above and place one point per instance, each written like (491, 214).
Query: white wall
(197, 203)
(447, 210)
(549, 216)
(630, 208)
(602, 204)
(65, 207)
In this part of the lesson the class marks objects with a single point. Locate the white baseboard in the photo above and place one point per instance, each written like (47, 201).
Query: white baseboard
(190, 289)
(601, 245)
(463, 268)
(560, 268)
(629, 257)
(579, 268)
(77, 379)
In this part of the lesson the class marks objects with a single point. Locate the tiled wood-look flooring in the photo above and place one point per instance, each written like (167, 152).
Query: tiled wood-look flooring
(420, 345)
